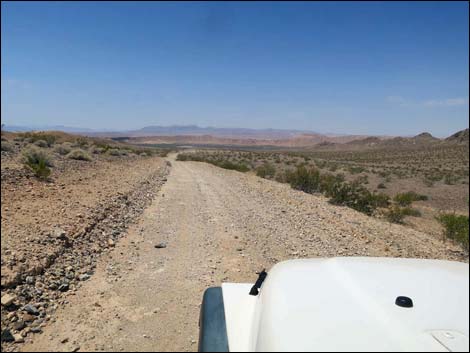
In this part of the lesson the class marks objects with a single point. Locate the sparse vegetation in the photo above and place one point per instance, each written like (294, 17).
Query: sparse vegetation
(407, 198)
(32, 137)
(41, 143)
(81, 142)
(456, 228)
(306, 180)
(226, 164)
(266, 170)
(113, 152)
(38, 161)
(63, 149)
(395, 214)
(79, 155)
(357, 197)
(6, 146)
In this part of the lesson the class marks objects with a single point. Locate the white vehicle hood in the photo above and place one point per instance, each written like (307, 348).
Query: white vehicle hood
(348, 304)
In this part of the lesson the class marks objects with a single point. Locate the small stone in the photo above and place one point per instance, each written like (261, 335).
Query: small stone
(18, 338)
(60, 234)
(7, 299)
(19, 325)
(28, 317)
(64, 287)
(11, 315)
(36, 329)
(84, 277)
(111, 242)
(31, 309)
(7, 336)
(160, 246)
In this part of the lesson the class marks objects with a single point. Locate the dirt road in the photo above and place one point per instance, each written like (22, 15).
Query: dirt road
(217, 225)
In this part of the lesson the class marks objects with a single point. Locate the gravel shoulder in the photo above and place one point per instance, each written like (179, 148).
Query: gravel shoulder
(205, 226)
(54, 232)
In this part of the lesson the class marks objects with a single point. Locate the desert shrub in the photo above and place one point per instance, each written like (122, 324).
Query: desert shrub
(38, 161)
(231, 166)
(79, 155)
(409, 211)
(190, 157)
(381, 186)
(6, 146)
(307, 180)
(431, 178)
(114, 152)
(384, 173)
(97, 150)
(363, 179)
(81, 142)
(406, 198)
(41, 143)
(450, 179)
(379, 200)
(455, 227)
(142, 153)
(266, 171)
(327, 182)
(163, 152)
(36, 136)
(182, 157)
(104, 146)
(395, 214)
(333, 167)
(63, 149)
(351, 195)
(356, 169)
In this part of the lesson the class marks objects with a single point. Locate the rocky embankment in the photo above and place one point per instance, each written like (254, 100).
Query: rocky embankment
(54, 232)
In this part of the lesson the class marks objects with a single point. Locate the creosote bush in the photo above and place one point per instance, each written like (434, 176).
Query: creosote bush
(266, 170)
(455, 228)
(340, 192)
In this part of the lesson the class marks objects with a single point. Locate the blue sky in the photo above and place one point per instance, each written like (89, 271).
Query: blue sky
(359, 68)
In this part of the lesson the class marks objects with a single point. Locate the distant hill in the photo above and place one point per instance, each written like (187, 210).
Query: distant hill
(193, 134)
(421, 140)
(459, 137)
(424, 137)
(194, 130)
